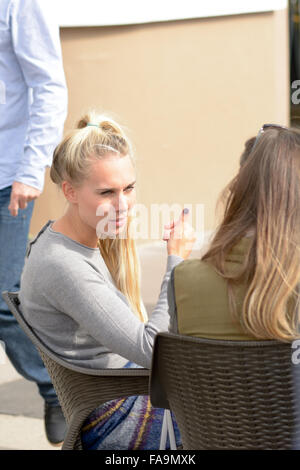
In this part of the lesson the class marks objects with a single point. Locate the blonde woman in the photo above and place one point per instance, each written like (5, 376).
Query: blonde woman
(80, 289)
(246, 285)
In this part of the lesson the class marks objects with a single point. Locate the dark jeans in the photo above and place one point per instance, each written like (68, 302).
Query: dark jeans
(20, 350)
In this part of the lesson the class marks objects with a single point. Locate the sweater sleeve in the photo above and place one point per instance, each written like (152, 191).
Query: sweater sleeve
(36, 42)
(79, 291)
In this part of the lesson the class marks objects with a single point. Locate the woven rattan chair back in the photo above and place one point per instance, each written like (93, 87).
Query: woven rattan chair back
(228, 394)
(80, 390)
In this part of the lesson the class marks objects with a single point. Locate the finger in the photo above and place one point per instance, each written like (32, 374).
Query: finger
(14, 204)
(166, 235)
(179, 224)
(185, 213)
(22, 203)
(173, 226)
(183, 216)
(13, 208)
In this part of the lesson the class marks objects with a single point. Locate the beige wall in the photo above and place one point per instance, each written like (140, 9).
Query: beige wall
(190, 92)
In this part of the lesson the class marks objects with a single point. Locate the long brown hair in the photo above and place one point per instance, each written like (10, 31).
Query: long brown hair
(264, 198)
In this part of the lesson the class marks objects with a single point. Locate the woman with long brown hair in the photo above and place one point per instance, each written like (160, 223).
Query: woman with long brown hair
(80, 287)
(246, 285)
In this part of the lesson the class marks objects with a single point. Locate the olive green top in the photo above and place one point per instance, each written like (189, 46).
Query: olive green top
(198, 298)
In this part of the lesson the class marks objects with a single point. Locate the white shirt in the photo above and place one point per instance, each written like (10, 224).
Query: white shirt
(33, 93)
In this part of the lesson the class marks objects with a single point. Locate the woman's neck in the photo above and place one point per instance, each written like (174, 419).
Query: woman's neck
(71, 226)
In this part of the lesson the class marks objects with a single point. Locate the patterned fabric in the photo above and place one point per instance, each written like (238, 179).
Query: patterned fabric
(126, 424)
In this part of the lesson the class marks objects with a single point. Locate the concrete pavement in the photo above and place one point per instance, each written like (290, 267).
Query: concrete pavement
(21, 412)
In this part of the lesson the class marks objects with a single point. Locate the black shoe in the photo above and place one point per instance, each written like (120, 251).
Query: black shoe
(55, 424)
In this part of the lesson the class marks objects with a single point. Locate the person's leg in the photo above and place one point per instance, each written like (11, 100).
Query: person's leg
(24, 357)
(130, 423)
(20, 350)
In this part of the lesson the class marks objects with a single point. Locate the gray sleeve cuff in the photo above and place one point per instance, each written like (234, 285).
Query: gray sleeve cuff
(173, 260)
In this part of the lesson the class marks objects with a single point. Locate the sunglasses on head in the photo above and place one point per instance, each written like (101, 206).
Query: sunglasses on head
(264, 128)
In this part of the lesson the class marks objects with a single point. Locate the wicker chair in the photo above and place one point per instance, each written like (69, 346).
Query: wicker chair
(228, 394)
(80, 390)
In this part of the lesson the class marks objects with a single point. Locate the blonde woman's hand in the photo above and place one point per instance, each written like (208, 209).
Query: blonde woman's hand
(180, 236)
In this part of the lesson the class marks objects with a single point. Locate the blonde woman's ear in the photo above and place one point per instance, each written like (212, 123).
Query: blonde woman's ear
(69, 191)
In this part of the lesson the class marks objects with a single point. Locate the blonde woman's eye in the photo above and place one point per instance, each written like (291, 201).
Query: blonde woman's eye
(106, 192)
(130, 188)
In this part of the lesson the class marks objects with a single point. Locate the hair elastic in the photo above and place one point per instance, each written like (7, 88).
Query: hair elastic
(91, 124)
(107, 147)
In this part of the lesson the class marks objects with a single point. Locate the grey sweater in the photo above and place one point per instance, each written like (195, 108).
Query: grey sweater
(68, 296)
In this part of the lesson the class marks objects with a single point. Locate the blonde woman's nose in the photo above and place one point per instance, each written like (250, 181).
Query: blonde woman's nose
(122, 203)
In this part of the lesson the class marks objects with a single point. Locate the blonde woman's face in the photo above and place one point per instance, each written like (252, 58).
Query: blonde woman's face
(108, 194)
